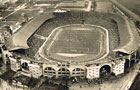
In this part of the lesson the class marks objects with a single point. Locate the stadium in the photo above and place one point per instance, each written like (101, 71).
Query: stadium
(74, 44)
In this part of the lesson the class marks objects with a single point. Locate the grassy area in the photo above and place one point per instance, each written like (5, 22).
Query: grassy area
(74, 18)
(76, 41)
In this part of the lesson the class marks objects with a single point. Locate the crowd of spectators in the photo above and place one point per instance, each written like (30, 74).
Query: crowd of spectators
(66, 18)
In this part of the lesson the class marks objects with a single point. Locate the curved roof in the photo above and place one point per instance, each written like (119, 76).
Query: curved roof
(19, 39)
(129, 38)
(125, 10)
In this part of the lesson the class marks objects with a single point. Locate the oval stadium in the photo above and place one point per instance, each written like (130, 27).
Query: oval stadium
(86, 42)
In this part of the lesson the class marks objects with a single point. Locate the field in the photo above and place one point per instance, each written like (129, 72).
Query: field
(63, 19)
(76, 41)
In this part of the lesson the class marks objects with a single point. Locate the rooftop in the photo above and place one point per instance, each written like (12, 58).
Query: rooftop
(72, 4)
(19, 39)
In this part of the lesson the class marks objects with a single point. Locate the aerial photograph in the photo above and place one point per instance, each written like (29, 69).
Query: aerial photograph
(69, 44)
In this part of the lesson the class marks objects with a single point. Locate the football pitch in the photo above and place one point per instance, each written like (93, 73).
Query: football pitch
(88, 42)
(76, 41)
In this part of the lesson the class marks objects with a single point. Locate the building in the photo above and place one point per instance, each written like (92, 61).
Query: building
(79, 5)
(86, 45)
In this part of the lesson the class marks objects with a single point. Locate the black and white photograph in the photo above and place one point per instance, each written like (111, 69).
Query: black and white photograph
(69, 44)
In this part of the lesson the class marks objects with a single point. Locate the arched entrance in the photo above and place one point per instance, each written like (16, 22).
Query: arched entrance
(63, 72)
(105, 70)
(49, 71)
(126, 65)
(132, 63)
(138, 54)
(24, 65)
(78, 72)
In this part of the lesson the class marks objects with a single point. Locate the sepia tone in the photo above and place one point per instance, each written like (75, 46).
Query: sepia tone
(69, 44)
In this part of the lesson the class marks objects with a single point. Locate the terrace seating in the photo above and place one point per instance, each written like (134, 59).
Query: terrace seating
(19, 39)
(67, 18)
(129, 38)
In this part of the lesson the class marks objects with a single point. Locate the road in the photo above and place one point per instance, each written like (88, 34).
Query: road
(128, 12)
(133, 5)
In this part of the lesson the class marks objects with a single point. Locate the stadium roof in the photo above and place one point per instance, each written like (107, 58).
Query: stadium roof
(19, 39)
(129, 38)
(72, 4)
